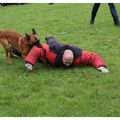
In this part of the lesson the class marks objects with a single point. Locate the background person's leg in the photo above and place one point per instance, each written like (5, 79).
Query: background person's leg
(114, 14)
(94, 12)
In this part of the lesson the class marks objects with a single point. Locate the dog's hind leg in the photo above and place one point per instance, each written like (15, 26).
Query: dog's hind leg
(5, 45)
(8, 55)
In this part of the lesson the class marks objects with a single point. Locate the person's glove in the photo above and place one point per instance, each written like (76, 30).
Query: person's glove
(103, 69)
(28, 66)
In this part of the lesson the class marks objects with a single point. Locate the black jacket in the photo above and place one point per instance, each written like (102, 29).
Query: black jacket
(59, 49)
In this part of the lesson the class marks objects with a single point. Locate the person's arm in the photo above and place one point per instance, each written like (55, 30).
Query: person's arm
(94, 60)
(32, 57)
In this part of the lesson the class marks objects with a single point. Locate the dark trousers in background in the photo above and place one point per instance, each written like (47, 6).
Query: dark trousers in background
(112, 10)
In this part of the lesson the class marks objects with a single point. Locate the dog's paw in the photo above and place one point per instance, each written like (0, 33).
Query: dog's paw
(10, 62)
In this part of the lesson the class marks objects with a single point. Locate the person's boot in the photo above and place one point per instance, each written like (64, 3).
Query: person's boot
(91, 21)
(117, 23)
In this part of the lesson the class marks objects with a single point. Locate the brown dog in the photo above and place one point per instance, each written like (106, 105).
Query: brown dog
(11, 39)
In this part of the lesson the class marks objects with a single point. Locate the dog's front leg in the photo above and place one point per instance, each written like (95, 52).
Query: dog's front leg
(25, 52)
(23, 56)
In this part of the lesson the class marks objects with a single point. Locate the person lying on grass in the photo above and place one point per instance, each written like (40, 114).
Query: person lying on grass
(61, 55)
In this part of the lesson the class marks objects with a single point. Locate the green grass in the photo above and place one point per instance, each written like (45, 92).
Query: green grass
(49, 91)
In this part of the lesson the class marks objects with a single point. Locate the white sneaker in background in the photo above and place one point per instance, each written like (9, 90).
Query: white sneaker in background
(103, 69)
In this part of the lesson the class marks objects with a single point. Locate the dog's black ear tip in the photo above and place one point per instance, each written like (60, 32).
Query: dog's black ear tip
(34, 31)
(26, 34)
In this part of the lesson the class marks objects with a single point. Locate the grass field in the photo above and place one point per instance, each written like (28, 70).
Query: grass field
(49, 91)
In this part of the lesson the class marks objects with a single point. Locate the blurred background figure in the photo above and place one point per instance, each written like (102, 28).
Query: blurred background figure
(112, 10)
(51, 3)
(6, 4)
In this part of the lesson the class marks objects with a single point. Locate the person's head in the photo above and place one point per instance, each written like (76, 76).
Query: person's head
(68, 58)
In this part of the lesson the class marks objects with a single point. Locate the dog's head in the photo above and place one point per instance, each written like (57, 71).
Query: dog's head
(31, 39)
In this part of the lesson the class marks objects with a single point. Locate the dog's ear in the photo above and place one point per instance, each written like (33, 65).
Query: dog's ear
(33, 31)
(27, 36)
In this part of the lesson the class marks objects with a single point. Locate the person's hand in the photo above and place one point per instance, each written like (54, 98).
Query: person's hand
(103, 69)
(28, 66)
